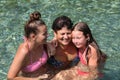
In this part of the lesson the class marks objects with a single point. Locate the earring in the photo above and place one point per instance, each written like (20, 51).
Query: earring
(88, 39)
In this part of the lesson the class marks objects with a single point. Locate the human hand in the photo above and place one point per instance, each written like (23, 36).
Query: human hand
(44, 76)
(54, 42)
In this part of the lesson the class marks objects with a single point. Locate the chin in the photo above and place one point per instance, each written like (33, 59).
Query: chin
(78, 46)
(66, 43)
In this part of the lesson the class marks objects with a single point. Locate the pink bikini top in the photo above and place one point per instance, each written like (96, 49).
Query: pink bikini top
(37, 64)
(83, 57)
(84, 61)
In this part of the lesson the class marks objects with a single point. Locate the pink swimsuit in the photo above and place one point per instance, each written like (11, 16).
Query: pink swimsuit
(37, 64)
(84, 62)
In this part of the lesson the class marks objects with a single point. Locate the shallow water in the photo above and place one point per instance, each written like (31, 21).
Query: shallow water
(102, 16)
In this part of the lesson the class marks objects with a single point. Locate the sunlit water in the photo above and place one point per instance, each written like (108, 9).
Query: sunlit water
(103, 17)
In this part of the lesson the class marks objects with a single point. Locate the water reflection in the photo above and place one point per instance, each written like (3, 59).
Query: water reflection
(102, 16)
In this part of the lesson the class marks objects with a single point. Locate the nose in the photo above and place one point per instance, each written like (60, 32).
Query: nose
(74, 40)
(66, 36)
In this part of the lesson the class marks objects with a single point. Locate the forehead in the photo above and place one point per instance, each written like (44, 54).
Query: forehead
(77, 33)
(63, 29)
(42, 28)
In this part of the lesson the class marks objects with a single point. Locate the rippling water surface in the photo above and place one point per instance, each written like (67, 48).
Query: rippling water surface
(103, 17)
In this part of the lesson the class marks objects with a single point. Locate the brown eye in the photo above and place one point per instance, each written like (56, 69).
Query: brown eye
(68, 33)
(78, 37)
(62, 33)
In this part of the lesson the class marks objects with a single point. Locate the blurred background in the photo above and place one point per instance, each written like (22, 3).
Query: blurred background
(102, 16)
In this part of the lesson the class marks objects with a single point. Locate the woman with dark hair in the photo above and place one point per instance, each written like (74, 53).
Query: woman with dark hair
(92, 59)
(31, 56)
(66, 52)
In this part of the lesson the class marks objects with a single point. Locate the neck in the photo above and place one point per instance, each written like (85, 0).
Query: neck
(64, 47)
(35, 47)
(81, 50)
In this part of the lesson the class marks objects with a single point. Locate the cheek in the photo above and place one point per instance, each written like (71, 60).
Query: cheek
(83, 40)
(79, 41)
(75, 40)
(44, 37)
(41, 37)
(58, 36)
(70, 36)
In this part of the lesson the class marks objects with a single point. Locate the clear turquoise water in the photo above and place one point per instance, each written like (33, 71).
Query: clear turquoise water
(103, 17)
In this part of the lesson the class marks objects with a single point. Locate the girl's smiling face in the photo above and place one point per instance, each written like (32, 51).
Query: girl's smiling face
(79, 39)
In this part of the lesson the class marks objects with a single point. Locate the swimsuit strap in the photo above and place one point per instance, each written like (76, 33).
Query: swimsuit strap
(82, 59)
(84, 73)
(29, 53)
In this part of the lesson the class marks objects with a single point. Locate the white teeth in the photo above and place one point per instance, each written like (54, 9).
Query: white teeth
(65, 40)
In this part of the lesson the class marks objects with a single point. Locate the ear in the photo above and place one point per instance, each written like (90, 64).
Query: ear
(32, 36)
(55, 34)
(88, 37)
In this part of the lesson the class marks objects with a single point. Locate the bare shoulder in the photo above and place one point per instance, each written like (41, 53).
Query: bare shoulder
(92, 46)
(93, 53)
(22, 49)
(93, 49)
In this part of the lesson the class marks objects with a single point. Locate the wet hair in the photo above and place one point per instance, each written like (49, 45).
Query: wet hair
(33, 23)
(60, 22)
(83, 27)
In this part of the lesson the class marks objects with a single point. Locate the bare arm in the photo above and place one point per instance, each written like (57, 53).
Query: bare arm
(25, 78)
(17, 62)
(51, 48)
(41, 77)
(93, 65)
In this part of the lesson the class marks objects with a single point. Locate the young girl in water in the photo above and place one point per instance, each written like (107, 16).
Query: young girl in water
(91, 57)
(31, 55)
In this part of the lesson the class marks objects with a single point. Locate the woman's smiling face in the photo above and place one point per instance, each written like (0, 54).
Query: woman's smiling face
(64, 36)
